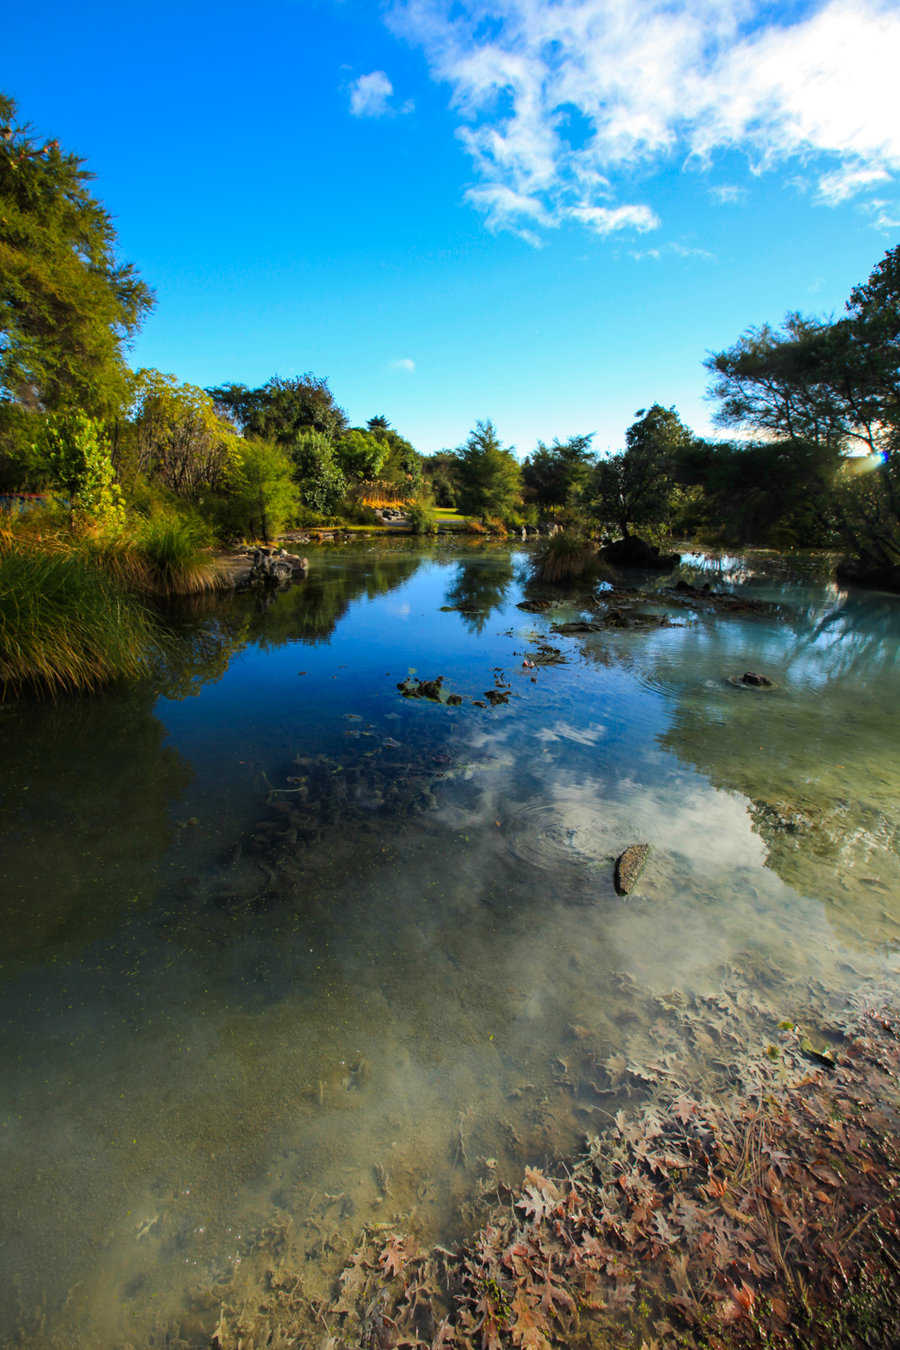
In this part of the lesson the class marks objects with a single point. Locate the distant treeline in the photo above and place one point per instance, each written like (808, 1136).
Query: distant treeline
(813, 406)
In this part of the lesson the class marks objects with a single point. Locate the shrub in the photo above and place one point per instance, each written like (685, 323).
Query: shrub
(422, 515)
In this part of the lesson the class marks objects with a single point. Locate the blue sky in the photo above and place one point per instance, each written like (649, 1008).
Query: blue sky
(544, 212)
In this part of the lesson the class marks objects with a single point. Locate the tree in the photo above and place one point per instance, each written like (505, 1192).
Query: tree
(361, 454)
(77, 459)
(319, 477)
(442, 472)
(282, 409)
(555, 476)
(260, 496)
(67, 305)
(402, 462)
(636, 486)
(833, 385)
(489, 475)
(176, 437)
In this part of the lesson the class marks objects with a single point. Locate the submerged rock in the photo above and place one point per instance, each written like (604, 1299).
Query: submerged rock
(629, 866)
(757, 681)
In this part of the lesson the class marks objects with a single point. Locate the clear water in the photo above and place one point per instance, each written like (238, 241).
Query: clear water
(285, 953)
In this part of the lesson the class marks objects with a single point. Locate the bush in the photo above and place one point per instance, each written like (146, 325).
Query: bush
(261, 497)
(422, 515)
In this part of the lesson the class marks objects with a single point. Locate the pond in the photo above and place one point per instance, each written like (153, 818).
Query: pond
(286, 953)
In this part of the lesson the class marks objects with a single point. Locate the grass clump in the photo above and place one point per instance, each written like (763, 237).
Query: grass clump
(172, 556)
(65, 623)
(567, 557)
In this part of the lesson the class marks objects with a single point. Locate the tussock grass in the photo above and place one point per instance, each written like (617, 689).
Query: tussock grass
(568, 556)
(66, 625)
(172, 550)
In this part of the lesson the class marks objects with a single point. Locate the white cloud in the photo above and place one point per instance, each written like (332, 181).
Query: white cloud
(727, 194)
(653, 80)
(608, 219)
(403, 364)
(370, 95)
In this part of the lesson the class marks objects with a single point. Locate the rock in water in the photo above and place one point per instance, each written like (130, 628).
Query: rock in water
(629, 866)
(757, 681)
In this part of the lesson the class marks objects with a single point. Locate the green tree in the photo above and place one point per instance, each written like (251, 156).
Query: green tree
(67, 305)
(77, 459)
(260, 497)
(177, 438)
(319, 476)
(441, 471)
(282, 409)
(555, 476)
(833, 386)
(360, 454)
(636, 487)
(402, 462)
(490, 476)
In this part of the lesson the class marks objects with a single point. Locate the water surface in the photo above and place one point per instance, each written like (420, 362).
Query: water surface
(285, 953)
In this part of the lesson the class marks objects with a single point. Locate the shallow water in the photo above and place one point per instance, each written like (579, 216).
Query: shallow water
(285, 953)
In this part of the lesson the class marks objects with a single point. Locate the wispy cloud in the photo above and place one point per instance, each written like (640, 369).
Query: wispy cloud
(404, 364)
(370, 96)
(655, 80)
(727, 194)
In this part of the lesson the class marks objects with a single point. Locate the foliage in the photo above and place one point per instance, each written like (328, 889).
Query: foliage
(442, 473)
(635, 487)
(833, 386)
(67, 306)
(321, 481)
(402, 462)
(77, 459)
(282, 409)
(567, 556)
(775, 493)
(65, 622)
(489, 475)
(766, 1220)
(177, 438)
(171, 550)
(557, 475)
(261, 496)
(361, 454)
(422, 514)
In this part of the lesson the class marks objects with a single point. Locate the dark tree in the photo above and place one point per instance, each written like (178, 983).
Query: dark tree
(555, 476)
(282, 409)
(636, 487)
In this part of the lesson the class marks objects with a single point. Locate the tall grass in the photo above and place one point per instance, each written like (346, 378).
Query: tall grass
(173, 550)
(568, 557)
(65, 624)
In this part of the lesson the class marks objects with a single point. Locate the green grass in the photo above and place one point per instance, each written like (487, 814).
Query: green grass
(567, 557)
(172, 555)
(65, 624)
